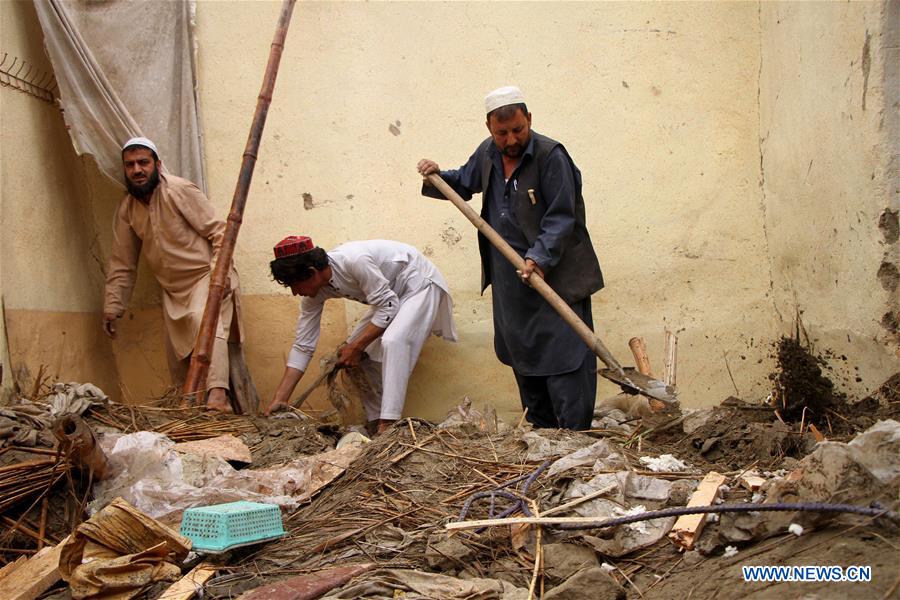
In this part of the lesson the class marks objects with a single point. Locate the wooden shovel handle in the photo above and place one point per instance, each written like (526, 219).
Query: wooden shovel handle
(542, 287)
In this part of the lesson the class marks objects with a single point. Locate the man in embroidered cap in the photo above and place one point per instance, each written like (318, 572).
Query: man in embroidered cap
(409, 300)
(174, 225)
(531, 194)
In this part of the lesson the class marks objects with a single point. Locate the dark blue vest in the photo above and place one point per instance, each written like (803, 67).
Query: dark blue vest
(578, 274)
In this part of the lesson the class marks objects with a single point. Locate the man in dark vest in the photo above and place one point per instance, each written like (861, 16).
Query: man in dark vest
(531, 194)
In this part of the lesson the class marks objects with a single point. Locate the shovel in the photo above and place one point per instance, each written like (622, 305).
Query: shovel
(628, 378)
(330, 367)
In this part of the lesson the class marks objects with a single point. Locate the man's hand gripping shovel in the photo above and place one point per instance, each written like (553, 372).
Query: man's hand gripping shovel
(628, 378)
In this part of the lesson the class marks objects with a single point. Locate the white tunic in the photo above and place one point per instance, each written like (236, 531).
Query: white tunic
(381, 274)
(408, 298)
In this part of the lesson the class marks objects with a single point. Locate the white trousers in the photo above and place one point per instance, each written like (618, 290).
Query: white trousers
(393, 356)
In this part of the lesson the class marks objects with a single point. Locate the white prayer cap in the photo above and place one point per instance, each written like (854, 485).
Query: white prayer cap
(504, 96)
(141, 141)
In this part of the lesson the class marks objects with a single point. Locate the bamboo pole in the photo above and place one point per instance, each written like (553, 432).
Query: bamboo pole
(195, 380)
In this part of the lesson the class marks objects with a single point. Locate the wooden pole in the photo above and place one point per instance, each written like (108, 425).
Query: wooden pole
(671, 357)
(639, 351)
(642, 361)
(195, 380)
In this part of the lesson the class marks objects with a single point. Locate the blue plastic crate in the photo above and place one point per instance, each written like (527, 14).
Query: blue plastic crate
(224, 526)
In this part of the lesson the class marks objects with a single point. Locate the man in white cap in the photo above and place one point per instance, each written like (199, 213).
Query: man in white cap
(531, 194)
(174, 225)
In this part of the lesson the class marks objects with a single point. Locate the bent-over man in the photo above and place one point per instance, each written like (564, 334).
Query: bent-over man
(174, 225)
(409, 300)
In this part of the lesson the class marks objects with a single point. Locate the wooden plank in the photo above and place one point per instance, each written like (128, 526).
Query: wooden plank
(639, 351)
(190, 584)
(309, 586)
(642, 362)
(10, 567)
(671, 358)
(752, 482)
(688, 527)
(33, 577)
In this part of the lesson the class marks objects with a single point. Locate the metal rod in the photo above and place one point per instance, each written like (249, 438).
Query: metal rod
(199, 368)
(575, 523)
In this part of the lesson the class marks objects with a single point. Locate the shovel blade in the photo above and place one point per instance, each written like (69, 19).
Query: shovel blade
(642, 384)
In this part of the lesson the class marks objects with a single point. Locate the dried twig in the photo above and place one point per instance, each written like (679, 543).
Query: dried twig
(538, 551)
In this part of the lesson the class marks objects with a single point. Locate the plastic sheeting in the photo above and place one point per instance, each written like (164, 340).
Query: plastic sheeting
(126, 68)
(159, 481)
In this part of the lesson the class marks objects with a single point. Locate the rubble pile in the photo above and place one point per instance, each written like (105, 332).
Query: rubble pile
(469, 508)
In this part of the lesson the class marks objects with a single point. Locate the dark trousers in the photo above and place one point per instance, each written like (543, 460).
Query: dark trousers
(564, 401)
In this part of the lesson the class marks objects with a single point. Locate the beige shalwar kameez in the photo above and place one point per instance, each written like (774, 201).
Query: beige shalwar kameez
(180, 236)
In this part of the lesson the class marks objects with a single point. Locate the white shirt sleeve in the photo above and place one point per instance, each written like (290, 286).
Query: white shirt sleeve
(307, 336)
(375, 286)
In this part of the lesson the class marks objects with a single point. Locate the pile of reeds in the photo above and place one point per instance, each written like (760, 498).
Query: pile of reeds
(23, 486)
(179, 424)
(24, 480)
(407, 483)
(203, 426)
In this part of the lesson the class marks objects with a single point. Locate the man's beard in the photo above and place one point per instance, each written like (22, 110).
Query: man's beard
(513, 151)
(145, 190)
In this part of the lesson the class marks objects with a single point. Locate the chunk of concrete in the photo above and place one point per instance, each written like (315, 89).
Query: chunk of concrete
(447, 554)
(561, 561)
(588, 584)
(878, 449)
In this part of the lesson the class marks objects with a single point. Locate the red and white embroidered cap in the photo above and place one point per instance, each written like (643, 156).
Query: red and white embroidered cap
(293, 245)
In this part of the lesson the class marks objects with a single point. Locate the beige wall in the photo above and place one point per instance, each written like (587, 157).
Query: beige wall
(650, 99)
(829, 147)
(47, 248)
(694, 125)
(55, 218)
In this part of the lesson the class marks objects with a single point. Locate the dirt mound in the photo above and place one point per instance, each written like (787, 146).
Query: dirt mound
(801, 390)
(278, 441)
(733, 436)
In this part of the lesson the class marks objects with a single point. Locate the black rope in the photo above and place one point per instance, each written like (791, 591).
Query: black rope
(518, 500)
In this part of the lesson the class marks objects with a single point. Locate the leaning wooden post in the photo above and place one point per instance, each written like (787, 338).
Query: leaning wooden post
(639, 351)
(196, 376)
(671, 357)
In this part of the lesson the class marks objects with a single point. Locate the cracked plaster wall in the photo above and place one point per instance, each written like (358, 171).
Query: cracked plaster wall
(828, 148)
